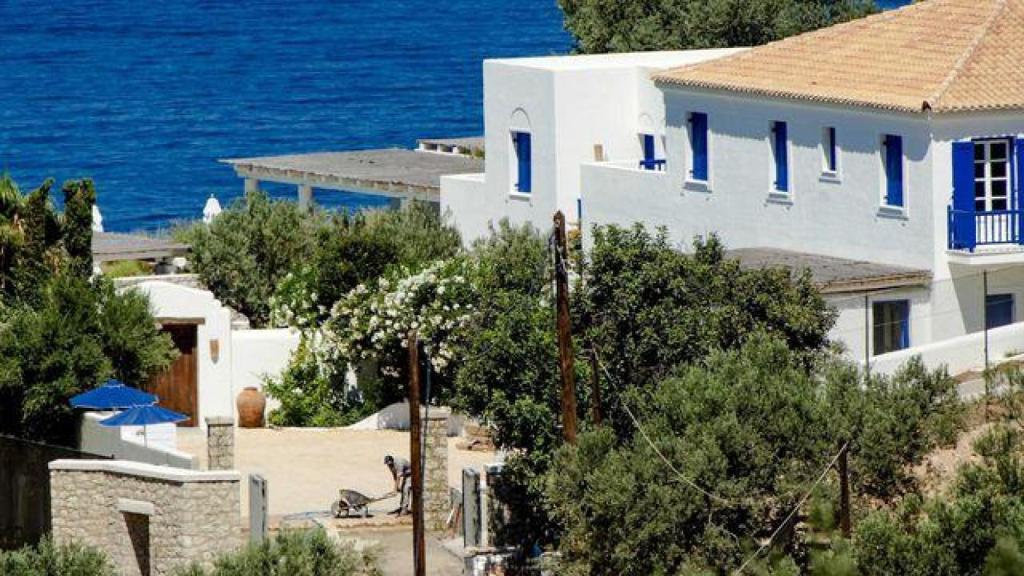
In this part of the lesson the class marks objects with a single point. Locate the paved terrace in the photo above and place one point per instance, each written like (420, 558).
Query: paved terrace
(112, 247)
(394, 173)
(834, 275)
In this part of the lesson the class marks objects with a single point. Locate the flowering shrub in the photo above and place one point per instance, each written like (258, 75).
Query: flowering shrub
(310, 394)
(373, 322)
(294, 303)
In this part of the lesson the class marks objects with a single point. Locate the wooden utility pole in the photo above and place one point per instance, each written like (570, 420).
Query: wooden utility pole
(565, 357)
(419, 558)
(844, 493)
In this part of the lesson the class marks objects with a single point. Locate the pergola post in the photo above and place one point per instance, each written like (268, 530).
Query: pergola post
(305, 196)
(251, 185)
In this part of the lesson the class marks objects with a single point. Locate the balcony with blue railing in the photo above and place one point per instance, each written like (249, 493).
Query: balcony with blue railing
(992, 229)
(653, 164)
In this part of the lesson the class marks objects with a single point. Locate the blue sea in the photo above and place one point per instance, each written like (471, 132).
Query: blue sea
(145, 96)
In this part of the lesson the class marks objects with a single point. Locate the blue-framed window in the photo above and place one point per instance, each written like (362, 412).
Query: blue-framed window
(892, 153)
(780, 154)
(998, 310)
(829, 150)
(523, 161)
(699, 146)
(650, 160)
(890, 325)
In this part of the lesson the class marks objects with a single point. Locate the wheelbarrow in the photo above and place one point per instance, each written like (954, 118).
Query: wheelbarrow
(353, 502)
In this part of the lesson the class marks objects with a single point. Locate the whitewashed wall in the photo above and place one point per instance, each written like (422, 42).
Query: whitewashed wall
(837, 217)
(245, 356)
(176, 302)
(568, 104)
(946, 130)
(257, 354)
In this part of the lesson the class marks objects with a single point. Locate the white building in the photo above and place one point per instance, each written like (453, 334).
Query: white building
(889, 146)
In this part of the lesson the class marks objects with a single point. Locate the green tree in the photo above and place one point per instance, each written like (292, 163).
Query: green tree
(79, 198)
(746, 431)
(250, 247)
(976, 528)
(76, 336)
(647, 308)
(642, 25)
(508, 373)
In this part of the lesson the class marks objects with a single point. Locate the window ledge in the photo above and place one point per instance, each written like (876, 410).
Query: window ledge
(697, 185)
(830, 177)
(778, 197)
(520, 195)
(893, 212)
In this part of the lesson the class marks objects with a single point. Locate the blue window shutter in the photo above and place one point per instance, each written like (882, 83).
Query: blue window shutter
(904, 312)
(963, 196)
(894, 170)
(648, 147)
(523, 154)
(699, 144)
(1018, 193)
(781, 157)
(832, 164)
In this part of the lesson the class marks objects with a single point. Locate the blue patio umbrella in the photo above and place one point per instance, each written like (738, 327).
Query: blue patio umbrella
(113, 395)
(143, 416)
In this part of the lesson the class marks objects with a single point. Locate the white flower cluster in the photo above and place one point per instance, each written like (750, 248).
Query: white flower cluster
(436, 303)
(294, 303)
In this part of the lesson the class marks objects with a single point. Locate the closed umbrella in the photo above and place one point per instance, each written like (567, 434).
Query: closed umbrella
(113, 395)
(143, 416)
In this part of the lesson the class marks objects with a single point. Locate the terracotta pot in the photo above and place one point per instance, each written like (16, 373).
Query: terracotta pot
(251, 404)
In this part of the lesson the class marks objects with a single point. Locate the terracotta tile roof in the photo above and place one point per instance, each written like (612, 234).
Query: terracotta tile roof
(939, 55)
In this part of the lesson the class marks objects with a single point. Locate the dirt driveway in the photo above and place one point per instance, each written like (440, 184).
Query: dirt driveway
(305, 467)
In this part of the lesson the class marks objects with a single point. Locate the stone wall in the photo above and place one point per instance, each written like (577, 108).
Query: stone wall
(148, 519)
(436, 494)
(220, 443)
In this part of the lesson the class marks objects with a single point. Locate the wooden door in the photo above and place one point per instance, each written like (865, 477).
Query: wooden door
(177, 386)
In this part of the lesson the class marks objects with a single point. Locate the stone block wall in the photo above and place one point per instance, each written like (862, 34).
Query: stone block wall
(436, 495)
(148, 519)
(220, 443)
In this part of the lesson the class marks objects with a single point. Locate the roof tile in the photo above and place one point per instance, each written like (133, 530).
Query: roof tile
(939, 55)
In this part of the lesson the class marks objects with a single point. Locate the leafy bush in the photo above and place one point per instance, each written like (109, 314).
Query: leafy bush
(125, 268)
(754, 427)
(293, 553)
(309, 393)
(612, 26)
(246, 251)
(78, 335)
(648, 308)
(976, 529)
(49, 559)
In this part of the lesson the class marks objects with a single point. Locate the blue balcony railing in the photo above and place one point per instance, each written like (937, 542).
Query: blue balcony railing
(969, 229)
(652, 164)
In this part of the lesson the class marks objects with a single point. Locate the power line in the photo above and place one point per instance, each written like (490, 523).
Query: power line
(692, 484)
(792, 513)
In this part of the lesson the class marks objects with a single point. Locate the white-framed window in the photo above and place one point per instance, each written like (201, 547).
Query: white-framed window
(829, 151)
(890, 325)
(991, 175)
(522, 162)
(780, 157)
(893, 186)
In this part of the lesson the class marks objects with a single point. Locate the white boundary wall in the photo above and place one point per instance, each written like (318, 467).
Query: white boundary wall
(960, 354)
(244, 356)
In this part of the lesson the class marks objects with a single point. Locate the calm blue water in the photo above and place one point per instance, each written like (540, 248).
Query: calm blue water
(144, 96)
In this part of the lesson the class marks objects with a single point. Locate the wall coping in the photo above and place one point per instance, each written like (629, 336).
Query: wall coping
(435, 413)
(144, 470)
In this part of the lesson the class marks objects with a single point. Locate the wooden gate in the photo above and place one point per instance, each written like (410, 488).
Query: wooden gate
(177, 386)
